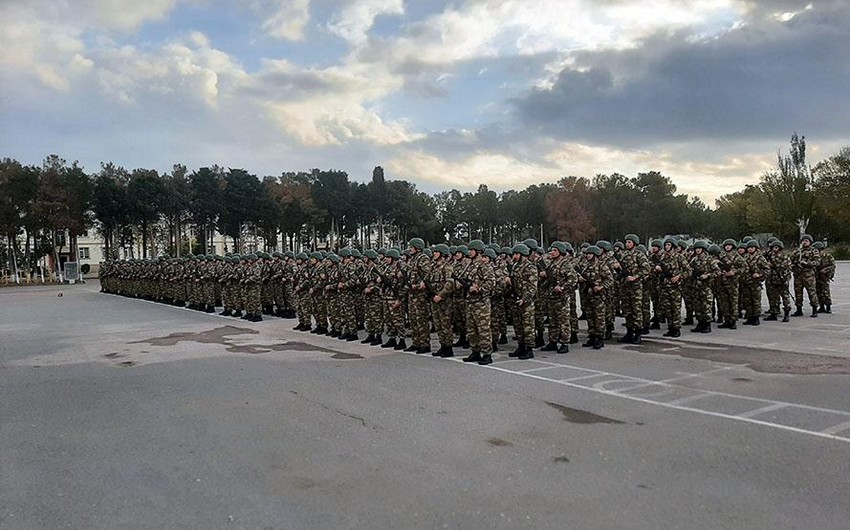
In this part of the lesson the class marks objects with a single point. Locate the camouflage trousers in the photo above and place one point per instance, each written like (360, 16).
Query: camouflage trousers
(394, 317)
(251, 298)
(442, 313)
(459, 315)
(646, 298)
(227, 297)
(498, 317)
(373, 312)
(727, 298)
(524, 323)
(209, 292)
(701, 300)
(319, 308)
(824, 290)
(334, 310)
(279, 296)
(752, 299)
(478, 324)
(417, 307)
(348, 300)
(775, 292)
(631, 295)
(558, 311)
(573, 312)
(539, 312)
(807, 281)
(303, 308)
(670, 300)
(595, 307)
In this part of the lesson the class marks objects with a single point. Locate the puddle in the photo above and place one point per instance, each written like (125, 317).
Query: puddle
(582, 416)
(498, 442)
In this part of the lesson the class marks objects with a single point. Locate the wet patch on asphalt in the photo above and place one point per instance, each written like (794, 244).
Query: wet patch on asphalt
(221, 336)
(498, 442)
(759, 360)
(581, 416)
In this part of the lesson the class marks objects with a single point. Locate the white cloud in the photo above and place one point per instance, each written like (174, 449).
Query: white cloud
(355, 20)
(288, 19)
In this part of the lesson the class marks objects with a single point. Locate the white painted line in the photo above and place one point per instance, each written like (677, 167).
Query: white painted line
(575, 378)
(540, 369)
(837, 428)
(681, 378)
(688, 399)
(756, 412)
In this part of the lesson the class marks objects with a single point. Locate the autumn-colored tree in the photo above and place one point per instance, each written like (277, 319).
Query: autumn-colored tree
(568, 210)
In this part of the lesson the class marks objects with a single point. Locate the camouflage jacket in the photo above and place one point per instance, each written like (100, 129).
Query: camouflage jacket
(524, 278)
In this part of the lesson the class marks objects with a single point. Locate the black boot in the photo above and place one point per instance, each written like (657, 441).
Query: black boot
(237, 313)
(591, 340)
(654, 325)
(209, 309)
(599, 344)
(401, 345)
(798, 312)
(636, 339)
(447, 352)
(226, 313)
(627, 338)
(706, 327)
(689, 321)
(563, 348)
(473, 357)
(411, 348)
(698, 328)
(439, 351)
(423, 349)
(494, 346)
(333, 333)
(673, 333)
(517, 351)
(258, 317)
(526, 354)
(461, 340)
(352, 336)
(814, 312)
(756, 321)
(645, 330)
(376, 341)
(574, 337)
(771, 317)
(485, 360)
(733, 324)
(538, 341)
(391, 343)
(827, 309)
(552, 346)
(369, 338)
(785, 315)
(503, 339)
(609, 331)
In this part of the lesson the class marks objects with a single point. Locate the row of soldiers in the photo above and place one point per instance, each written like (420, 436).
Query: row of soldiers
(469, 294)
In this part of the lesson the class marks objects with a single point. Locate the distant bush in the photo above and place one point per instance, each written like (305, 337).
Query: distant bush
(841, 252)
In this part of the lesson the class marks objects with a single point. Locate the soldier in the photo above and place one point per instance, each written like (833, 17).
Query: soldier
(607, 257)
(479, 280)
(537, 257)
(300, 291)
(654, 282)
(779, 272)
(331, 290)
(442, 282)
(825, 274)
(703, 269)
(524, 281)
(418, 271)
(460, 263)
(560, 280)
(318, 301)
(732, 266)
(372, 298)
(597, 277)
(672, 271)
(502, 313)
(394, 292)
(757, 268)
(804, 264)
(349, 287)
(631, 269)
(252, 281)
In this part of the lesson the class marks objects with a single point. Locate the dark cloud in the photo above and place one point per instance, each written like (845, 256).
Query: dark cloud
(764, 78)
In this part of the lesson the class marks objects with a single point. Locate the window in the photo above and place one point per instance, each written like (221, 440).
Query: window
(84, 253)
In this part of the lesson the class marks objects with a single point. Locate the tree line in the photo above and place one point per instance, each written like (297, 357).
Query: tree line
(179, 211)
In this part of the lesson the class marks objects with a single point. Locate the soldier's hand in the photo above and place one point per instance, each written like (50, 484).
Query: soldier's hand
(474, 288)
(658, 268)
(676, 278)
(558, 289)
(597, 288)
(437, 299)
(421, 286)
(631, 278)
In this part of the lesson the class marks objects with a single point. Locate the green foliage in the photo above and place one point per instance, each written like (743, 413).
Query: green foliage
(841, 252)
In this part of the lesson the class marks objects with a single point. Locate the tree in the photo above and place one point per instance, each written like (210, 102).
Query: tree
(205, 187)
(110, 202)
(789, 191)
(568, 210)
(832, 189)
(332, 193)
(240, 198)
(146, 195)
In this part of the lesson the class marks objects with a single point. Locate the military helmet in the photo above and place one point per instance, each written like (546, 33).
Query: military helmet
(641, 247)
(289, 254)
(428, 252)
(218, 258)
(316, 254)
(604, 245)
(730, 241)
(324, 253)
(334, 257)
(355, 253)
(252, 257)
(463, 249)
(370, 253)
(619, 245)
(345, 252)
(752, 243)
(505, 251)
(495, 246)
(521, 248)
(714, 249)
(393, 253)
(633, 238)
(584, 245)
(657, 243)
(382, 251)
(593, 249)
(747, 239)
(442, 248)
(277, 254)
(669, 240)
(700, 243)
(417, 243)
(778, 243)
(531, 243)
(818, 245)
(490, 253)
(301, 255)
(682, 244)
(452, 249)
(559, 246)
(807, 236)
(477, 245)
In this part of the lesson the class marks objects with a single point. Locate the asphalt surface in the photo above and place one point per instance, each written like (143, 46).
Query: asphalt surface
(120, 413)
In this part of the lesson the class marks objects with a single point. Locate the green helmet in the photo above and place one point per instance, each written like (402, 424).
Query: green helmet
(334, 257)
(593, 249)
(778, 243)
(633, 238)
(370, 253)
(730, 241)
(560, 247)
(393, 253)
(747, 239)
(452, 249)
(463, 249)
(570, 249)
(700, 243)
(641, 247)
(807, 236)
(604, 245)
(522, 249)
(714, 249)
(382, 251)
(442, 248)
(619, 245)
(345, 252)
(490, 253)
(317, 255)
(277, 254)
(752, 243)
(682, 244)
(818, 245)
(428, 252)
(301, 255)
(252, 257)
(218, 258)
(417, 243)
(495, 246)
(669, 240)
(477, 245)
(355, 253)
(505, 251)
(530, 243)
(657, 243)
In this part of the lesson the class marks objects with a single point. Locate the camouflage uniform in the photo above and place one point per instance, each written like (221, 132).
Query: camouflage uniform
(732, 267)
(418, 271)
(373, 301)
(482, 281)
(443, 285)
(394, 293)
(704, 268)
(561, 280)
(631, 270)
(825, 274)
(524, 280)
(776, 284)
(672, 271)
(757, 268)
(598, 279)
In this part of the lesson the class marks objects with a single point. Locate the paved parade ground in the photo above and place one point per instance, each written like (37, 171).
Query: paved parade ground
(120, 413)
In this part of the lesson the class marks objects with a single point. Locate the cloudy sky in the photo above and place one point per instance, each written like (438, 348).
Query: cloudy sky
(445, 94)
